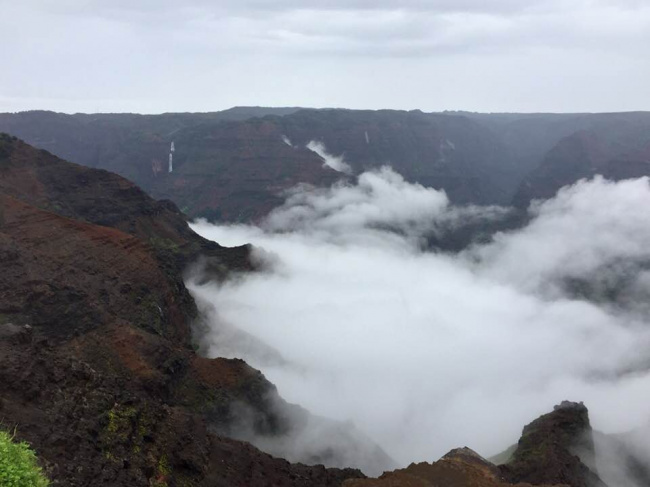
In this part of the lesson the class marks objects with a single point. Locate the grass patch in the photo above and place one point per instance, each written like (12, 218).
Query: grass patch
(18, 465)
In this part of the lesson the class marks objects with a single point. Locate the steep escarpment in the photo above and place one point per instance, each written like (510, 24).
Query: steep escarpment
(159, 230)
(132, 145)
(97, 371)
(137, 147)
(68, 277)
(616, 146)
(234, 165)
(103, 198)
(443, 151)
(237, 170)
(579, 156)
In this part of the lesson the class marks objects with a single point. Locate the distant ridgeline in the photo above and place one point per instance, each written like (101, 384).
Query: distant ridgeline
(234, 165)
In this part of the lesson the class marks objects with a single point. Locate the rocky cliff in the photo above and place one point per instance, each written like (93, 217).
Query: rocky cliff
(557, 448)
(97, 369)
(237, 169)
(234, 165)
(581, 155)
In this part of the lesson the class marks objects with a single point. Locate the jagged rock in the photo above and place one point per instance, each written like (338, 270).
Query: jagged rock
(556, 448)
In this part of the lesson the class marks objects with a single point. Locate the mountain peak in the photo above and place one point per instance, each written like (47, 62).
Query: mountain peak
(556, 448)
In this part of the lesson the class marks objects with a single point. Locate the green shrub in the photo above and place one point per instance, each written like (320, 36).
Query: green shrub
(18, 467)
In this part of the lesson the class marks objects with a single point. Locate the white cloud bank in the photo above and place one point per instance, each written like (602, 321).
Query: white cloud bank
(426, 351)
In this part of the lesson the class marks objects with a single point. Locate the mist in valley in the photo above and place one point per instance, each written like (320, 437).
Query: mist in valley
(356, 317)
(317, 243)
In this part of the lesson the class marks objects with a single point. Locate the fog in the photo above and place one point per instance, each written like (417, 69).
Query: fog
(424, 350)
(334, 162)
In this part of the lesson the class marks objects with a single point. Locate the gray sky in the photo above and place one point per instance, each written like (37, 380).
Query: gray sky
(154, 56)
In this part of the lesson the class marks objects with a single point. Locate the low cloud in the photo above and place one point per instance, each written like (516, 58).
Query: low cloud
(333, 162)
(381, 207)
(425, 351)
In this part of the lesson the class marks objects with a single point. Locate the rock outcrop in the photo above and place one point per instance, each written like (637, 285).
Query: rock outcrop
(97, 368)
(555, 450)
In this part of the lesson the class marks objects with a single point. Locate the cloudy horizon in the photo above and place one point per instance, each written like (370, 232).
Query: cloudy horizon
(434, 55)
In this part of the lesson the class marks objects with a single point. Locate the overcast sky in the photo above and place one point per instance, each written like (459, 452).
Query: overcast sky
(154, 56)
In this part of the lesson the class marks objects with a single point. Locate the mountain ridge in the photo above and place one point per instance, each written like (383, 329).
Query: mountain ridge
(234, 165)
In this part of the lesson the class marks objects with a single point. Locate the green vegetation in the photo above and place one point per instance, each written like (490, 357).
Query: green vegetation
(127, 425)
(125, 431)
(163, 472)
(18, 466)
(120, 421)
(164, 244)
